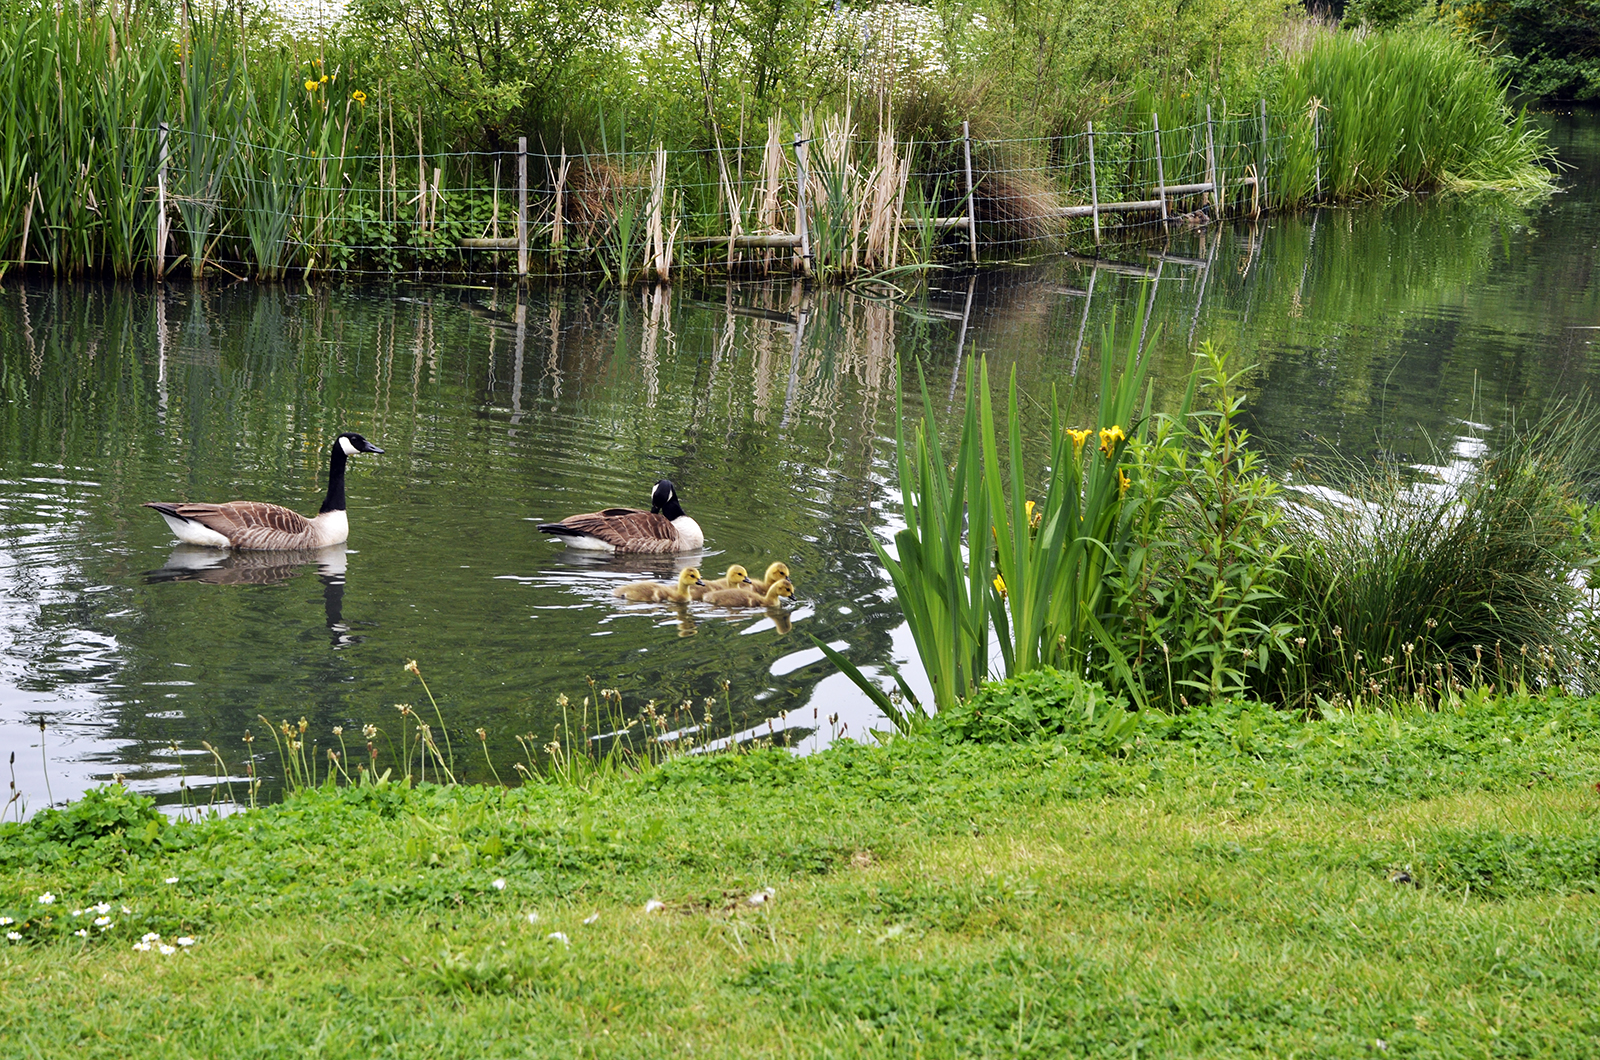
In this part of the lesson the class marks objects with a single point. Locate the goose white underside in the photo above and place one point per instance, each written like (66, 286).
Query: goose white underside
(192, 533)
(328, 528)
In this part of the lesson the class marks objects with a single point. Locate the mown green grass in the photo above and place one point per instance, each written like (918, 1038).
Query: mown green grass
(1240, 884)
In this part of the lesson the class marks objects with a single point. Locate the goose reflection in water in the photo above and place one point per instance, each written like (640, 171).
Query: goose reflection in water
(196, 563)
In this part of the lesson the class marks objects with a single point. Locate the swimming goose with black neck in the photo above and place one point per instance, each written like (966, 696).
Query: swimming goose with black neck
(664, 528)
(259, 525)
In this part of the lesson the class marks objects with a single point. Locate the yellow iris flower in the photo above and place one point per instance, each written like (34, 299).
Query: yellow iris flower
(1109, 437)
(311, 86)
(1123, 482)
(1078, 438)
(999, 585)
(359, 96)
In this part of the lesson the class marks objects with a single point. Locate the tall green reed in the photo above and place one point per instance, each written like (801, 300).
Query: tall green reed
(978, 558)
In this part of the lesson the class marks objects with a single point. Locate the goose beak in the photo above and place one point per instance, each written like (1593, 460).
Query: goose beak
(372, 448)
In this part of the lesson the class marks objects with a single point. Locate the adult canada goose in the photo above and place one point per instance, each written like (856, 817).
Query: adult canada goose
(737, 577)
(657, 593)
(664, 528)
(258, 525)
(749, 598)
(774, 572)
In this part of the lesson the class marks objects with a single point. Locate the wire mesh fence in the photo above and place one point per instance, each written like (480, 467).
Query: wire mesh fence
(825, 198)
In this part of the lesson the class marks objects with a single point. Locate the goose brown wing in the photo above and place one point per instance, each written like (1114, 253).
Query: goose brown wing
(248, 524)
(625, 529)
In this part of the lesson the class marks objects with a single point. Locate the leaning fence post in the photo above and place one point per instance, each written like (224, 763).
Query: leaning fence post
(801, 226)
(1211, 167)
(161, 204)
(522, 208)
(1161, 173)
(1261, 169)
(1094, 190)
(972, 204)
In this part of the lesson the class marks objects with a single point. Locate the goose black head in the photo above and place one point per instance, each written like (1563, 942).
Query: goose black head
(352, 443)
(664, 500)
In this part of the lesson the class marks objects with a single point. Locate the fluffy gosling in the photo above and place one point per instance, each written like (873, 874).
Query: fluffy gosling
(749, 598)
(658, 593)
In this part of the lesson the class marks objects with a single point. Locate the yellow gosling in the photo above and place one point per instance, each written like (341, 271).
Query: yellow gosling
(736, 578)
(658, 593)
(774, 572)
(749, 598)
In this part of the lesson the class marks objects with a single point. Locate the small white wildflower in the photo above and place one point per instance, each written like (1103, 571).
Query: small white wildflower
(4, 920)
(102, 921)
(46, 898)
(167, 951)
(82, 933)
(172, 879)
(142, 947)
(654, 905)
(762, 896)
(499, 885)
(150, 936)
(591, 918)
(126, 911)
(103, 908)
(554, 936)
(77, 912)
(185, 940)
(14, 936)
(533, 917)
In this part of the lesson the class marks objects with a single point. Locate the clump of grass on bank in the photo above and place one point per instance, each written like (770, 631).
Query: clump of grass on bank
(1414, 590)
(1227, 880)
(1415, 109)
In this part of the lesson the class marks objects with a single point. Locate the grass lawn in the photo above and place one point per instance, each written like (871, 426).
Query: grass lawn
(1241, 883)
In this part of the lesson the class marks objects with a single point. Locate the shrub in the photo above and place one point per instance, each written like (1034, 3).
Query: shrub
(1042, 704)
(107, 823)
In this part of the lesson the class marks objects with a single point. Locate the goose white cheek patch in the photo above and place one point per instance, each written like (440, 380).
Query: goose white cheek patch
(349, 450)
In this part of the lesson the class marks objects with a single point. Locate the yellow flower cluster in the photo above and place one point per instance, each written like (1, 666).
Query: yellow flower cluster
(1078, 438)
(1109, 437)
(359, 96)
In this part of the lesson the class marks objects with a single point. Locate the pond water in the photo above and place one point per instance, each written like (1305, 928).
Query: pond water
(1377, 332)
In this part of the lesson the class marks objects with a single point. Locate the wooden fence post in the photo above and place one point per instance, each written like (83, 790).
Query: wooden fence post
(1094, 190)
(1211, 167)
(522, 212)
(1161, 173)
(1316, 143)
(972, 204)
(161, 205)
(801, 225)
(1261, 169)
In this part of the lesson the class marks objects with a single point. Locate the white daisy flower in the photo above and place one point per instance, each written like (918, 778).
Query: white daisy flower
(126, 911)
(167, 951)
(150, 936)
(554, 936)
(103, 908)
(591, 918)
(533, 917)
(143, 947)
(46, 898)
(82, 933)
(761, 897)
(185, 940)
(654, 905)
(499, 885)
(172, 879)
(102, 921)
(14, 936)
(4, 920)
